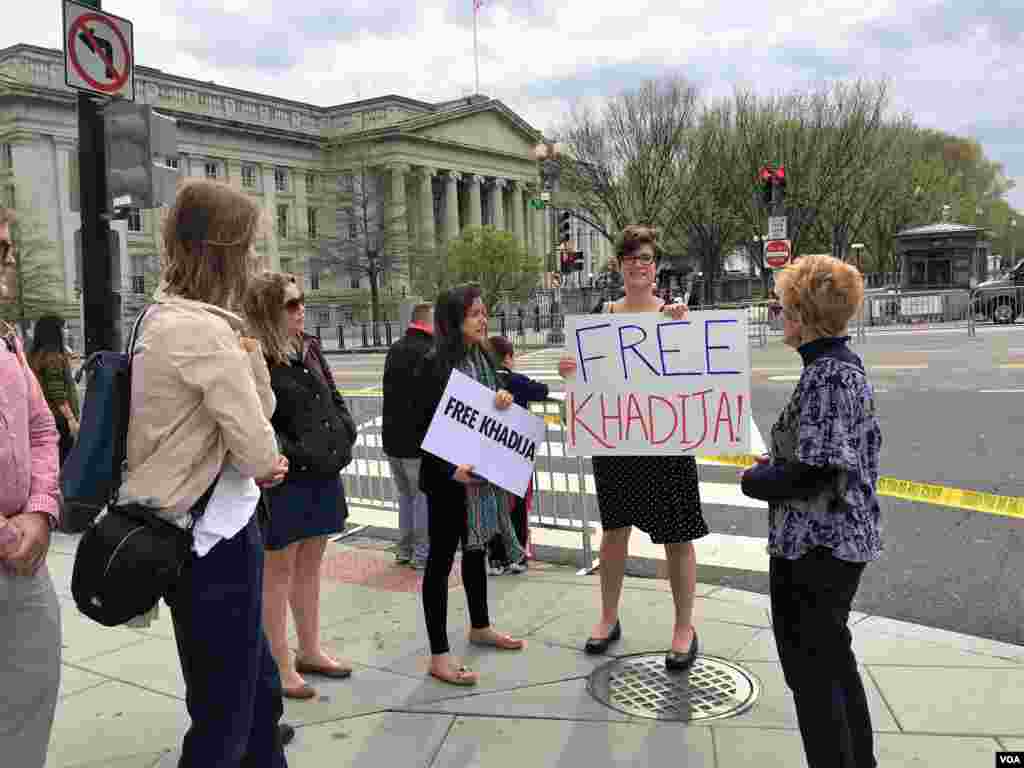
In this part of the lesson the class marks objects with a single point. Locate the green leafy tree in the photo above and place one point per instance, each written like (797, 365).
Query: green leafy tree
(495, 260)
(40, 282)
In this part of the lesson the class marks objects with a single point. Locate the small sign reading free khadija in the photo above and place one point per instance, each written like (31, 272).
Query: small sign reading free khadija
(467, 429)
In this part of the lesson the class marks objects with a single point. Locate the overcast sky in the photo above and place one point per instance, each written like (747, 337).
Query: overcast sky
(957, 65)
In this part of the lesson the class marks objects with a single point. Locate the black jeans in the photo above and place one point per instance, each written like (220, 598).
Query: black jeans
(811, 600)
(446, 529)
(232, 686)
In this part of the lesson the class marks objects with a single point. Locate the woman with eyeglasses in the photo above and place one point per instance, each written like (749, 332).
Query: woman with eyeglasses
(660, 495)
(316, 434)
(824, 520)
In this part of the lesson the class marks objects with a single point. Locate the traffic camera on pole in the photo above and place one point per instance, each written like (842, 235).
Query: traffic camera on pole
(138, 143)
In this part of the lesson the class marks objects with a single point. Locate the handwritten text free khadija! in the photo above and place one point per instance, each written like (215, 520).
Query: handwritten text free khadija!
(658, 385)
(687, 418)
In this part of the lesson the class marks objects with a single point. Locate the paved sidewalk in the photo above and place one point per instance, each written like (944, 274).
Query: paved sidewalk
(937, 698)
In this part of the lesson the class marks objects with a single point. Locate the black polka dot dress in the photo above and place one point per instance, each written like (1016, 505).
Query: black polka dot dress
(660, 495)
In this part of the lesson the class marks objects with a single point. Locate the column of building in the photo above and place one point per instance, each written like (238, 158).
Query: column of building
(397, 228)
(498, 204)
(475, 212)
(451, 206)
(427, 229)
(273, 237)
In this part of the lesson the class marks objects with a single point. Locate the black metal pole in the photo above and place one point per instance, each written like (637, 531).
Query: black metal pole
(97, 295)
(100, 306)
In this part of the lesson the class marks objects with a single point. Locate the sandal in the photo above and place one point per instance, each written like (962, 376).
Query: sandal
(501, 642)
(463, 676)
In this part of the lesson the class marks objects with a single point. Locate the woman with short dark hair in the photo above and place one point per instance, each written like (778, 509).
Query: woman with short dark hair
(660, 495)
(458, 502)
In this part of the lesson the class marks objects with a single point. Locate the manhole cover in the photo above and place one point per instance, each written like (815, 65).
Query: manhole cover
(641, 686)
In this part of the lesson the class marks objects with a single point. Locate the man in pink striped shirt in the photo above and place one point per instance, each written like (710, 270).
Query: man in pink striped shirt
(29, 511)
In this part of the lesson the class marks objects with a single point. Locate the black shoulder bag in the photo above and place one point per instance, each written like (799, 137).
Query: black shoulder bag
(128, 557)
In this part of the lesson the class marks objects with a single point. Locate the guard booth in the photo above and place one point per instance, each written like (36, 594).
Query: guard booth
(937, 265)
(942, 256)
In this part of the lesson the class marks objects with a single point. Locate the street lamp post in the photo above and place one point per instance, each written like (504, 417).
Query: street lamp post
(1013, 243)
(547, 154)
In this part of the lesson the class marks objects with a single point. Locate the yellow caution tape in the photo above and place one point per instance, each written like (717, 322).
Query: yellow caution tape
(907, 490)
(925, 493)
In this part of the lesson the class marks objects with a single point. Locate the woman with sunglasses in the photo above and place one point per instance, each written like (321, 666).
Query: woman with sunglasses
(317, 434)
(660, 495)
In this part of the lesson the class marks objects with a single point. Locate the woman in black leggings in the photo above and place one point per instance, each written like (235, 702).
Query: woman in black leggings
(456, 497)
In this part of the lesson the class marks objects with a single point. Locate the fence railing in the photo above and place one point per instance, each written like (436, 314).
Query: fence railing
(1001, 305)
(563, 488)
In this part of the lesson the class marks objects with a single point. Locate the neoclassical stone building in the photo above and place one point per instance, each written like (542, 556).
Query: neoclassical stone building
(431, 169)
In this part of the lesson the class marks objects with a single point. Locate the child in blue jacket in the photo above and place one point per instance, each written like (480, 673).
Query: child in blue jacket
(524, 391)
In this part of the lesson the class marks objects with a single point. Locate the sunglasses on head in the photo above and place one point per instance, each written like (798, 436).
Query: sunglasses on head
(293, 304)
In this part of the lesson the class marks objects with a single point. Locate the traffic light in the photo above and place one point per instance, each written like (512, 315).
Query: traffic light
(577, 261)
(769, 178)
(564, 226)
(765, 178)
(138, 140)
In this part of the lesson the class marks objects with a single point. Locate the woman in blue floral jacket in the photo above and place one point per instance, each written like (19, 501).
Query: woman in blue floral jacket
(819, 482)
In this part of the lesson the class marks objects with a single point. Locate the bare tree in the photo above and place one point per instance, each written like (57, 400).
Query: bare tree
(369, 243)
(868, 143)
(621, 159)
(704, 214)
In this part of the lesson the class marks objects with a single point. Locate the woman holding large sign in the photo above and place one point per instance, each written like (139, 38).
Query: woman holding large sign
(660, 495)
(824, 516)
(458, 500)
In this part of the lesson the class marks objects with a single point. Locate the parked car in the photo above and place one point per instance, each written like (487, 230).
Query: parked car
(1002, 299)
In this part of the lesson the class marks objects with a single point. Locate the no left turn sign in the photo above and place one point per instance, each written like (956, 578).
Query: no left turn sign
(98, 54)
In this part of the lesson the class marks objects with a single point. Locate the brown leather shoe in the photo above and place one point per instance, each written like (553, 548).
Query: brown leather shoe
(338, 672)
(304, 691)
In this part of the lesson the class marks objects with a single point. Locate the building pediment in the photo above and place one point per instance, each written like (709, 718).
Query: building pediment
(490, 125)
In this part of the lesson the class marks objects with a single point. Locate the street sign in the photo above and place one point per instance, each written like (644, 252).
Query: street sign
(777, 228)
(98, 53)
(545, 196)
(777, 253)
(537, 204)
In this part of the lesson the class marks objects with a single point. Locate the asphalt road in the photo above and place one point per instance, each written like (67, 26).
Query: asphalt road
(952, 412)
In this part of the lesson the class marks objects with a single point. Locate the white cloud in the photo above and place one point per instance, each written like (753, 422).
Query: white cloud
(953, 63)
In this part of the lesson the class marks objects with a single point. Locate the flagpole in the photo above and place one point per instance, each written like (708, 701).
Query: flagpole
(476, 52)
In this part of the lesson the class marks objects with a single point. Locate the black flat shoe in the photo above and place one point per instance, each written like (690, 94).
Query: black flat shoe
(676, 661)
(598, 645)
(285, 733)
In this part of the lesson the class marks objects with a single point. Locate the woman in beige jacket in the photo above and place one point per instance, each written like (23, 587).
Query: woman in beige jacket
(199, 422)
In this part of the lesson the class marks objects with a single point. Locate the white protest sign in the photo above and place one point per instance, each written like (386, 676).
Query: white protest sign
(468, 429)
(648, 384)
